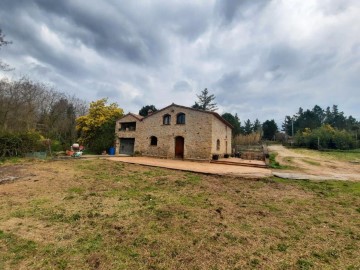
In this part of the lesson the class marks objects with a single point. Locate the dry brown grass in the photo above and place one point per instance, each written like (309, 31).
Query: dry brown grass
(99, 214)
(251, 139)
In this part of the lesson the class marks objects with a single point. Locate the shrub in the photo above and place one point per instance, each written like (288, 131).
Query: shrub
(17, 144)
(325, 137)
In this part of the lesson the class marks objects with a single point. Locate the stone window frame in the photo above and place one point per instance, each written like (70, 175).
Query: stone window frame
(153, 141)
(218, 145)
(166, 119)
(181, 118)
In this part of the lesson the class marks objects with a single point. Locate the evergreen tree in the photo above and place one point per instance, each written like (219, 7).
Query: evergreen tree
(205, 101)
(317, 117)
(287, 125)
(144, 111)
(269, 129)
(241, 130)
(320, 114)
(234, 121)
(257, 126)
(248, 128)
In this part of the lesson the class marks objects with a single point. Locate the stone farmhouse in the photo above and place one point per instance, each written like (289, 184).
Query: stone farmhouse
(174, 132)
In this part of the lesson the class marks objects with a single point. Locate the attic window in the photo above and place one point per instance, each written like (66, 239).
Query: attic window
(180, 118)
(153, 141)
(166, 119)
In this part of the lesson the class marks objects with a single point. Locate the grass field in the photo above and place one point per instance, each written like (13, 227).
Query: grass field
(348, 155)
(100, 214)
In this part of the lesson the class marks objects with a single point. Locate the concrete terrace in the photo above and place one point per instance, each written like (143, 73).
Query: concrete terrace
(199, 167)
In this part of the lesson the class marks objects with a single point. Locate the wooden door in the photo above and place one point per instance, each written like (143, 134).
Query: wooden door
(179, 147)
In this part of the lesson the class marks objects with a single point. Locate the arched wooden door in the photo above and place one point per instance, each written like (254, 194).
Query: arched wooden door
(179, 147)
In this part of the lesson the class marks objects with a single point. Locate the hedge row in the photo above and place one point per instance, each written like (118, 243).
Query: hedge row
(18, 144)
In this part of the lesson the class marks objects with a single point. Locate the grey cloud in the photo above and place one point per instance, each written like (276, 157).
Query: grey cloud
(231, 9)
(170, 50)
(39, 69)
(229, 86)
(318, 64)
(111, 31)
(182, 86)
(283, 57)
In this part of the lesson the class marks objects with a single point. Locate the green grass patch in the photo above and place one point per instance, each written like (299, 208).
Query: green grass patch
(275, 164)
(304, 264)
(18, 248)
(328, 188)
(344, 155)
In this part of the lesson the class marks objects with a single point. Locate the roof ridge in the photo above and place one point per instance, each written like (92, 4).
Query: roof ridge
(141, 118)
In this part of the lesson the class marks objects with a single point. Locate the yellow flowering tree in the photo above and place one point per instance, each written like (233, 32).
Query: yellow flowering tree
(97, 128)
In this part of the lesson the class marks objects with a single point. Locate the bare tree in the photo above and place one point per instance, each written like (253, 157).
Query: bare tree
(3, 42)
(28, 105)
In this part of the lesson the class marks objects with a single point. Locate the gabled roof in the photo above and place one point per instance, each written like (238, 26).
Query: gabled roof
(189, 108)
(138, 117)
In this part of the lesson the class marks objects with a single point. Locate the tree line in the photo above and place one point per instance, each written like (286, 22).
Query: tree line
(322, 129)
(317, 128)
(26, 105)
(317, 117)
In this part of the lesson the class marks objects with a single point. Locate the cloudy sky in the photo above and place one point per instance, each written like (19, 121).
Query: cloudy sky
(261, 58)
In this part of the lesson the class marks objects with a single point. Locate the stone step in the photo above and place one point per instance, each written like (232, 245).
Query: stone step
(239, 164)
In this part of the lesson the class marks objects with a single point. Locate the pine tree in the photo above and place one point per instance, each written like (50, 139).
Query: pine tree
(234, 121)
(257, 126)
(205, 101)
(248, 128)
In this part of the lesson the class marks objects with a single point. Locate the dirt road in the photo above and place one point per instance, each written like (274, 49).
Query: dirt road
(314, 164)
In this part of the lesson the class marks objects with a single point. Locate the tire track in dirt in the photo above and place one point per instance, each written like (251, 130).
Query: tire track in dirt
(315, 165)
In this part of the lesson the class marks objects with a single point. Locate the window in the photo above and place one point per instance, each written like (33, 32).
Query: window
(218, 145)
(166, 119)
(153, 141)
(180, 118)
(130, 126)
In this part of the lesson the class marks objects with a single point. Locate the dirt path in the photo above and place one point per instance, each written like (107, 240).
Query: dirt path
(314, 165)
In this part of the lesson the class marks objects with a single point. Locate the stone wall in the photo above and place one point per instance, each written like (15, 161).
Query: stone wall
(223, 133)
(196, 132)
(125, 134)
(200, 132)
